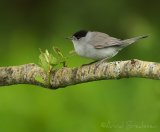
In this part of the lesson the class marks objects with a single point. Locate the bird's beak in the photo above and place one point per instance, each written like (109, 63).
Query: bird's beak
(70, 38)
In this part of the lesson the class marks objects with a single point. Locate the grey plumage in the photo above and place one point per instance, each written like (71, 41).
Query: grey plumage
(102, 40)
(132, 40)
(98, 46)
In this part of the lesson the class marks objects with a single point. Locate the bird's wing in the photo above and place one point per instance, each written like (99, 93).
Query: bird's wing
(102, 40)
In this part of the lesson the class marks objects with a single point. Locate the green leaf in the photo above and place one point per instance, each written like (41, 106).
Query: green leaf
(48, 60)
(47, 53)
(58, 52)
(53, 60)
(39, 79)
(43, 62)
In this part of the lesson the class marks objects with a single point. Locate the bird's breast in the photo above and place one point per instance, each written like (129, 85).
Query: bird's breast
(89, 51)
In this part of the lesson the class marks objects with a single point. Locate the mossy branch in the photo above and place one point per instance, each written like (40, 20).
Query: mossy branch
(26, 74)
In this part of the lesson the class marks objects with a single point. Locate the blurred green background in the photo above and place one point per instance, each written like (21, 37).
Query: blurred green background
(104, 106)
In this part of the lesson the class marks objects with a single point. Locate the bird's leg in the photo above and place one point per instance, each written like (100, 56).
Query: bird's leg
(101, 61)
(97, 62)
(90, 63)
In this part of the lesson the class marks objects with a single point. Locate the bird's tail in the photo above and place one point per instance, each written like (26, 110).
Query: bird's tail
(132, 40)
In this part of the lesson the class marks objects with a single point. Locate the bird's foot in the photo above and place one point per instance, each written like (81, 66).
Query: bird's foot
(97, 62)
(101, 61)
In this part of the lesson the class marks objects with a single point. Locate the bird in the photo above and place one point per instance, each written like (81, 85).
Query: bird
(99, 46)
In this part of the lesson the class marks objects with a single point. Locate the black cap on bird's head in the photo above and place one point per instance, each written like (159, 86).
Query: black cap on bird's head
(80, 34)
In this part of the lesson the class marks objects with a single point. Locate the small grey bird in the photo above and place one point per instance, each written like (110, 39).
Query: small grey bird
(99, 46)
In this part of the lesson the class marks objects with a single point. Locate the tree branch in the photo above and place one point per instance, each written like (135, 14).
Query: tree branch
(26, 74)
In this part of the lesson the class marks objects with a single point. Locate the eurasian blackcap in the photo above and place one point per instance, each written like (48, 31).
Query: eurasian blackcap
(98, 45)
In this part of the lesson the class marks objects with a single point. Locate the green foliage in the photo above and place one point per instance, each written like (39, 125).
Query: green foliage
(60, 57)
(48, 61)
(40, 79)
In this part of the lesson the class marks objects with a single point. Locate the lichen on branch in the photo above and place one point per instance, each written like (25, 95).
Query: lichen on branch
(26, 74)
